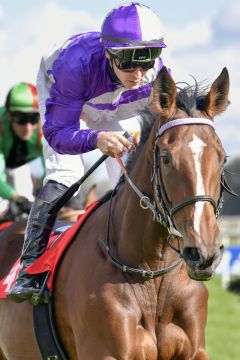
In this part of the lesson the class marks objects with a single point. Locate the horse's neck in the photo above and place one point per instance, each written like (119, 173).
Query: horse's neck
(139, 238)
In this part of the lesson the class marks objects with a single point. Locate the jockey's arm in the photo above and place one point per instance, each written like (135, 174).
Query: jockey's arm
(62, 128)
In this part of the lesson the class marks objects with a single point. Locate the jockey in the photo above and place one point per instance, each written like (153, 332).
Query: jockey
(104, 79)
(20, 137)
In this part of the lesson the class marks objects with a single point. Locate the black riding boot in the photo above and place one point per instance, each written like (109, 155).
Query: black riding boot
(39, 227)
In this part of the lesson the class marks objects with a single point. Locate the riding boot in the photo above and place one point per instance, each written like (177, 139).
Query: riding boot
(39, 227)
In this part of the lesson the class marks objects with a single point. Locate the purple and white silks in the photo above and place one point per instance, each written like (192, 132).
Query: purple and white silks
(80, 87)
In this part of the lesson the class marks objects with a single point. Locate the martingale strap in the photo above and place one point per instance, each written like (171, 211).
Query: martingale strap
(145, 203)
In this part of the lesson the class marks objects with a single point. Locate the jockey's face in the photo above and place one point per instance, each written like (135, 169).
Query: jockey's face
(130, 78)
(22, 127)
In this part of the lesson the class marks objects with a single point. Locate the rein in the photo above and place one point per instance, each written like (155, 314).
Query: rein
(146, 274)
(164, 216)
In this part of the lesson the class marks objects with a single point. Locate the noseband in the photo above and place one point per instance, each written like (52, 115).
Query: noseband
(160, 207)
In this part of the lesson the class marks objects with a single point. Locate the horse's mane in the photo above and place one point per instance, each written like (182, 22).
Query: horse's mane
(189, 98)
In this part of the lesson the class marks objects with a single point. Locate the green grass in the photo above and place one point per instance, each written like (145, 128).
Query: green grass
(223, 326)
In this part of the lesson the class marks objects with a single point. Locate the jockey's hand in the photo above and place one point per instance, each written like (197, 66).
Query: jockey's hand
(20, 205)
(114, 142)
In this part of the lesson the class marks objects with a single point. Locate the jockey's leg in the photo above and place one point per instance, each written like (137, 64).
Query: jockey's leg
(39, 227)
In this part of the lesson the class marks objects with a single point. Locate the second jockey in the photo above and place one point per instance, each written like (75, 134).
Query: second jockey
(20, 138)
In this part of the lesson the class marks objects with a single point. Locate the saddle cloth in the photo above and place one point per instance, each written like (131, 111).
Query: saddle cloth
(49, 260)
(5, 225)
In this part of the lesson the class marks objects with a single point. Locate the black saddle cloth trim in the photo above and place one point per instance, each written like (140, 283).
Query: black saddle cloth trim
(46, 334)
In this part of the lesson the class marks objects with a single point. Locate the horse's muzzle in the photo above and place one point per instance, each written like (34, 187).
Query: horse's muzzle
(200, 267)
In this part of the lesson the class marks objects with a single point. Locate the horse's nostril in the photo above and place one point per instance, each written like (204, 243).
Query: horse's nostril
(206, 264)
(191, 254)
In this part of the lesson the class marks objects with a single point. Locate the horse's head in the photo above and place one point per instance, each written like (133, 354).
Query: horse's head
(189, 160)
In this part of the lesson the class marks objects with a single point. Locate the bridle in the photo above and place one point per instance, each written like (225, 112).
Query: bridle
(162, 210)
(167, 211)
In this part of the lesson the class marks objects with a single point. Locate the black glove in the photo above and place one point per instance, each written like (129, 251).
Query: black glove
(20, 206)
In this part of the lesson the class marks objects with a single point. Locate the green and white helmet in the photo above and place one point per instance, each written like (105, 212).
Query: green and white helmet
(22, 97)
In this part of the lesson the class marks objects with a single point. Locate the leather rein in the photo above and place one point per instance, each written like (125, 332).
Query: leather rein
(164, 216)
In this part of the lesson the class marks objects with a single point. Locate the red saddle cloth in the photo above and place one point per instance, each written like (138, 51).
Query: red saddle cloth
(5, 225)
(49, 260)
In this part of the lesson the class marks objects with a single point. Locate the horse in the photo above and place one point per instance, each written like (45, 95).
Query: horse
(130, 285)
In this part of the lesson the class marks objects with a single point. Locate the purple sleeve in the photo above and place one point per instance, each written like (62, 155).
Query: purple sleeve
(63, 108)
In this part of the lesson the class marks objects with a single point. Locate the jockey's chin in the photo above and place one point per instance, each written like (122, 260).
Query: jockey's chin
(132, 85)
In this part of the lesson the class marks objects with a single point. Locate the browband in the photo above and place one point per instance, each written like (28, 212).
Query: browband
(185, 121)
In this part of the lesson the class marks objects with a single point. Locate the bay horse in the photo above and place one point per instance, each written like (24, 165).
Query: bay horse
(122, 291)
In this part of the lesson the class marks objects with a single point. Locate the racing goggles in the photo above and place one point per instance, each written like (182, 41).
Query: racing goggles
(25, 118)
(127, 65)
(126, 59)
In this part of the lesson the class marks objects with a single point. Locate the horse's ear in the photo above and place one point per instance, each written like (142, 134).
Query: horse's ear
(164, 94)
(217, 99)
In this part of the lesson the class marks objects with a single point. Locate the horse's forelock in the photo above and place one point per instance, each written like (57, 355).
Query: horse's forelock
(190, 98)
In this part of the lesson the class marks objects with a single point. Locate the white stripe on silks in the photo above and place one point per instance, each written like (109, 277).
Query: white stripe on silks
(150, 24)
(197, 146)
(111, 97)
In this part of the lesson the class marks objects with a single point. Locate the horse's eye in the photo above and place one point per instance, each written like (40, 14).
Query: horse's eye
(225, 159)
(165, 157)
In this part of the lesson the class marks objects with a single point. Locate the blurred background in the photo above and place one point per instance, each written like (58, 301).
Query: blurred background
(202, 37)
